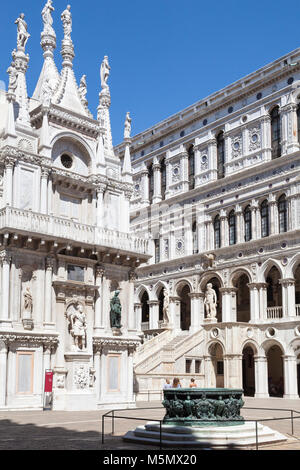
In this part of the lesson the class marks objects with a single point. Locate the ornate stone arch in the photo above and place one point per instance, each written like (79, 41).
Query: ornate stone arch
(205, 278)
(269, 342)
(236, 273)
(212, 343)
(140, 291)
(267, 266)
(86, 154)
(293, 265)
(251, 343)
(157, 288)
(181, 283)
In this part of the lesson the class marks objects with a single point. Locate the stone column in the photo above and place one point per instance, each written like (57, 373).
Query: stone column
(240, 235)
(50, 196)
(98, 320)
(168, 176)
(97, 367)
(233, 377)
(290, 377)
(209, 234)
(138, 316)
(4, 313)
(8, 182)
(184, 160)
(290, 128)
(197, 311)
(100, 212)
(224, 228)
(39, 303)
(44, 191)
(228, 303)
(153, 314)
(292, 200)
(174, 311)
(254, 209)
(48, 291)
(130, 375)
(261, 377)
(263, 300)
(145, 186)
(131, 312)
(3, 372)
(288, 297)
(254, 302)
(266, 137)
(47, 358)
(273, 215)
(157, 197)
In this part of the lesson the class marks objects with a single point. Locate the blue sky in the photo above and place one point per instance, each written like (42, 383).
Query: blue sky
(165, 54)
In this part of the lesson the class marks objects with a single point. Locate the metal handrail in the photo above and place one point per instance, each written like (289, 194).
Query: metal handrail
(111, 414)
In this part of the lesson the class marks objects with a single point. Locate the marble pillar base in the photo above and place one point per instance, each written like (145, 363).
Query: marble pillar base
(214, 436)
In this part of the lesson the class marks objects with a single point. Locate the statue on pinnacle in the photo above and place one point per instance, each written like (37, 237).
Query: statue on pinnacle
(47, 17)
(104, 73)
(66, 18)
(127, 128)
(22, 35)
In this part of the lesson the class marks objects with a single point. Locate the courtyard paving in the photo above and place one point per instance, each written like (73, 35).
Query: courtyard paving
(62, 430)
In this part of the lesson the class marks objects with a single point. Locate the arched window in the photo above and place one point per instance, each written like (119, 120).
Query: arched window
(151, 182)
(217, 231)
(163, 170)
(191, 163)
(275, 132)
(248, 224)
(145, 307)
(195, 238)
(157, 250)
(264, 213)
(221, 155)
(282, 214)
(232, 228)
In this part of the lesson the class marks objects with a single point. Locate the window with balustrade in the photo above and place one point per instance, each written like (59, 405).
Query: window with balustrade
(220, 155)
(282, 214)
(264, 214)
(232, 227)
(217, 231)
(248, 224)
(275, 132)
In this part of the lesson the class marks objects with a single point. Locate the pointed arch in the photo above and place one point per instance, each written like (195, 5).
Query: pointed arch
(267, 266)
(140, 291)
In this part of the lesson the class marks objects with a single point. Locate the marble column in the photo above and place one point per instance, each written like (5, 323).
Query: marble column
(212, 158)
(4, 314)
(197, 311)
(266, 137)
(240, 235)
(97, 367)
(254, 301)
(263, 301)
(224, 228)
(208, 373)
(290, 377)
(254, 228)
(273, 215)
(153, 314)
(50, 196)
(131, 312)
(228, 303)
(233, 376)
(98, 320)
(100, 211)
(209, 234)
(288, 297)
(261, 377)
(48, 292)
(138, 316)
(290, 128)
(44, 191)
(8, 182)
(3, 372)
(145, 186)
(130, 397)
(174, 311)
(184, 161)
(157, 197)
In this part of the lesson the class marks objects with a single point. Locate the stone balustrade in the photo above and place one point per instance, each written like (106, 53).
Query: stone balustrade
(274, 312)
(58, 227)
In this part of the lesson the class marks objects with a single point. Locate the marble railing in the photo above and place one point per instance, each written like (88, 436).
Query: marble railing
(297, 306)
(58, 227)
(274, 312)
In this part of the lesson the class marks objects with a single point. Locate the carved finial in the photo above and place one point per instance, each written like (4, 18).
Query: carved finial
(127, 128)
(47, 18)
(66, 18)
(104, 73)
(22, 33)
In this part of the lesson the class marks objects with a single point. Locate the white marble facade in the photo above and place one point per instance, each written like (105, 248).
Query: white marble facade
(216, 191)
(65, 241)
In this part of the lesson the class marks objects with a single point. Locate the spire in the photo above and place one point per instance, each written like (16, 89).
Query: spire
(127, 170)
(67, 94)
(104, 105)
(20, 60)
(49, 77)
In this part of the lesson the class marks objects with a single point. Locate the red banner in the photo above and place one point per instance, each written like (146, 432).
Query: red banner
(48, 381)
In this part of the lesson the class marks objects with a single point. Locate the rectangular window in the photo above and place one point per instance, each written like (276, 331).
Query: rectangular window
(157, 251)
(188, 366)
(75, 273)
(113, 363)
(25, 373)
(197, 367)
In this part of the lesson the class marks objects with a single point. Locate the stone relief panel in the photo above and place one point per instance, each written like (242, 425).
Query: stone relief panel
(82, 376)
(254, 138)
(236, 145)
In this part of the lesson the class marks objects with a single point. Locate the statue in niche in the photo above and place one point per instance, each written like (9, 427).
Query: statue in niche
(210, 301)
(77, 325)
(66, 18)
(13, 75)
(115, 311)
(127, 129)
(83, 89)
(28, 303)
(104, 72)
(166, 305)
(47, 17)
(23, 35)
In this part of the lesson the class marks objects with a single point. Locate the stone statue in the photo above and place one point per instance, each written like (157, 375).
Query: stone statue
(210, 302)
(23, 35)
(78, 327)
(115, 311)
(127, 129)
(47, 17)
(66, 18)
(28, 303)
(13, 76)
(83, 89)
(46, 93)
(104, 73)
(166, 305)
